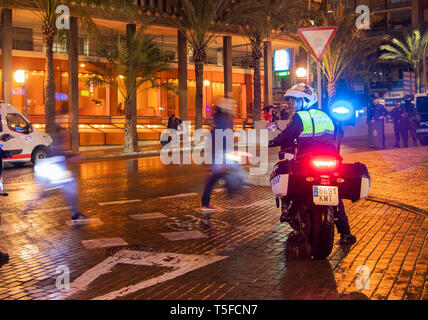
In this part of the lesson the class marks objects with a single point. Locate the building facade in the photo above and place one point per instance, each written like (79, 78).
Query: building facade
(23, 49)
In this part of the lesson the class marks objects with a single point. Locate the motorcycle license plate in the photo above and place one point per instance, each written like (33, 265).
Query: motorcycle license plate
(326, 196)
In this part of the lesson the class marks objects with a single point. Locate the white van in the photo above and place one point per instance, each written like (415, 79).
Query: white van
(27, 144)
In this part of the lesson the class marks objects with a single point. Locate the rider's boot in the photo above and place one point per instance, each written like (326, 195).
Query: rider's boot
(4, 258)
(286, 210)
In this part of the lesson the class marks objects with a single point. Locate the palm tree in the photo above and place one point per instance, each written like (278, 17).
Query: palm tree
(410, 51)
(135, 61)
(257, 25)
(197, 20)
(46, 10)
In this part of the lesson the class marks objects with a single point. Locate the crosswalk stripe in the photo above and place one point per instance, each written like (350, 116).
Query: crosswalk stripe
(118, 202)
(104, 243)
(184, 235)
(182, 195)
(146, 216)
(94, 221)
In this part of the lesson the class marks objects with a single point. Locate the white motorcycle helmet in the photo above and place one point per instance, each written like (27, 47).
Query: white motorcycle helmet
(302, 95)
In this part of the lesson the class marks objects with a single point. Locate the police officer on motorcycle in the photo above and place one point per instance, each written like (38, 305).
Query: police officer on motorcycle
(312, 129)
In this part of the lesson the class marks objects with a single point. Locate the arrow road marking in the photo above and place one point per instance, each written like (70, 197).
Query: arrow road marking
(179, 263)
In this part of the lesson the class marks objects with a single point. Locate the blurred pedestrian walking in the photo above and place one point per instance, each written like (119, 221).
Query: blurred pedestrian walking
(52, 174)
(232, 173)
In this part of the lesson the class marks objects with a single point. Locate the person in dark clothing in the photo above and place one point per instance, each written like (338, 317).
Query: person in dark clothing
(313, 130)
(409, 123)
(223, 120)
(4, 257)
(173, 124)
(378, 114)
(396, 118)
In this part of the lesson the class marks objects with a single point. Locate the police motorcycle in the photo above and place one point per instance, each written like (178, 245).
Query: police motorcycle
(309, 186)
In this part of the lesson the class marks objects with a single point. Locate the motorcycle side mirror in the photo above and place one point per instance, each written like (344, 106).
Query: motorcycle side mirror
(6, 137)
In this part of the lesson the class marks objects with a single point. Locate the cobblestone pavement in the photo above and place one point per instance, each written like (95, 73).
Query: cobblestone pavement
(397, 174)
(241, 252)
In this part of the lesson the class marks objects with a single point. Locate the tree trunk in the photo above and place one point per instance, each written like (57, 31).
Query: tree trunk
(331, 89)
(50, 87)
(257, 88)
(130, 123)
(199, 57)
(418, 79)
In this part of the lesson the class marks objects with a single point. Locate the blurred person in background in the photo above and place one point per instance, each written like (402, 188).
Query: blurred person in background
(268, 114)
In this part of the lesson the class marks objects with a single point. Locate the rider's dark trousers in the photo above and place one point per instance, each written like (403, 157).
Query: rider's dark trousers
(341, 220)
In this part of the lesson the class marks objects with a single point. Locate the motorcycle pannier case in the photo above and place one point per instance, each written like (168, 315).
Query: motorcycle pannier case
(279, 178)
(357, 181)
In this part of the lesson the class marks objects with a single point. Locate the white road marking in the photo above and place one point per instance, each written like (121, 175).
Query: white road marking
(254, 204)
(14, 228)
(94, 221)
(118, 202)
(182, 195)
(146, 216)
(50, 210)
(184, 235)
(179, 263)
(103, 243)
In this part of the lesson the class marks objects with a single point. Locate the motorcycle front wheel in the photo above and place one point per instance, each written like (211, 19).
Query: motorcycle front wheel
(322, 231)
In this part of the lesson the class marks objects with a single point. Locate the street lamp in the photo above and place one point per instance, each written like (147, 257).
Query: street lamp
(301, 72)
(20, 77)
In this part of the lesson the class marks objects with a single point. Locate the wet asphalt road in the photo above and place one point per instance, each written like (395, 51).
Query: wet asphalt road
(111, 180)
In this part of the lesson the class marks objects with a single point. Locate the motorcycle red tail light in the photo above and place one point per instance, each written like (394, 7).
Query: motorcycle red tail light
(325, 163)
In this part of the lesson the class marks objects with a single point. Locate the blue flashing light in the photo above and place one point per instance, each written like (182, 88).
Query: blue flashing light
(342, 110)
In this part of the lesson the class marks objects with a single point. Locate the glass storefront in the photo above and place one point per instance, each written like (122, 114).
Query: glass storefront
(107, 100)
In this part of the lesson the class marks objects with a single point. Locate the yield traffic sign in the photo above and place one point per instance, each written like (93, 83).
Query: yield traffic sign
(317, 39)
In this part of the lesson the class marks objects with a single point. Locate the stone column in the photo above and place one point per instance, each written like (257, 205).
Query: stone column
(6, 45)
(73, 85)
(268, 73)
(182, 75)
(227, 66)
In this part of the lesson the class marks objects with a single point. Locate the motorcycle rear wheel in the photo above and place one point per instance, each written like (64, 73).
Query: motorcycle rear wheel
(322, 232)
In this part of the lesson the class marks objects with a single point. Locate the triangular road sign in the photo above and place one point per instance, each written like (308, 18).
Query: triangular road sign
(317, 39)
